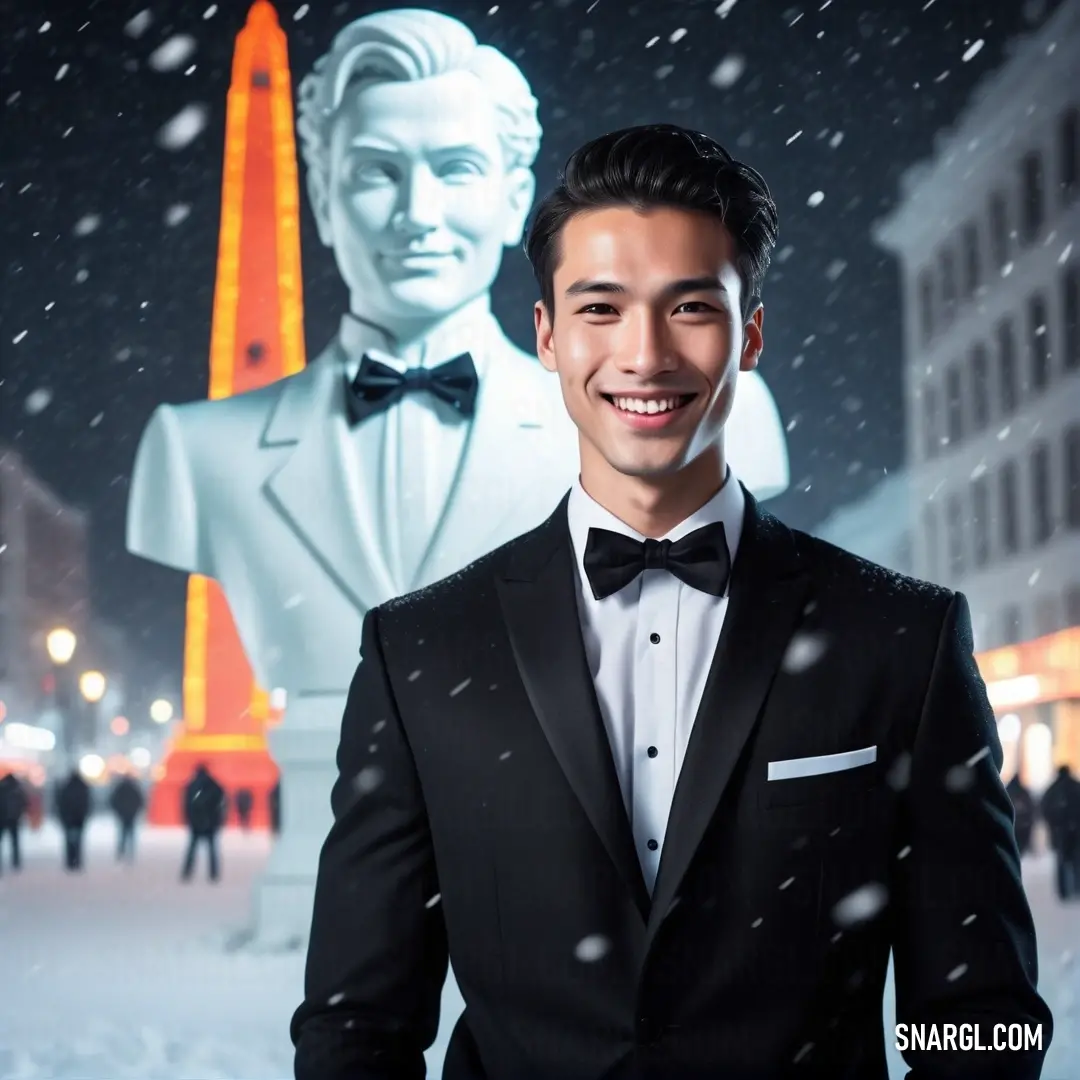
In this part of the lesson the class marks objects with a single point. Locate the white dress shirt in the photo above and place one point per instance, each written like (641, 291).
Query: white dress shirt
(419, 441)
(649, 648)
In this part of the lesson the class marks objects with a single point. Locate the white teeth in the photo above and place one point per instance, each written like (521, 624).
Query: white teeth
(651, 405)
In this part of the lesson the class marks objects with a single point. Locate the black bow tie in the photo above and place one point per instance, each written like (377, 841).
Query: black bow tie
(377, 385)
(700, 559)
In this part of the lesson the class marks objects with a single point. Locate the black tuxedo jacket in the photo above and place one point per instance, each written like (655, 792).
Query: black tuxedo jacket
(478, 812)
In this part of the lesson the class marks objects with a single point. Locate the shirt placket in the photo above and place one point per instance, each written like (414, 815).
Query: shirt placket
(655, 702)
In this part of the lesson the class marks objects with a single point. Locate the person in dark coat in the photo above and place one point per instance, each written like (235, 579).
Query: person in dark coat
(73, 808)
(127, 802)
(204, 812)
(1060, 809)
(274, 799)
(245, 801)
(13, 804)
(1024, 811)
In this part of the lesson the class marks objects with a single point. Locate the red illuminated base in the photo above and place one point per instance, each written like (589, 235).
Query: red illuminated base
(233, 769)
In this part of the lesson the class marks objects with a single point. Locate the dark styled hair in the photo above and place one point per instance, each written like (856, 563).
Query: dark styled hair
(652, 166)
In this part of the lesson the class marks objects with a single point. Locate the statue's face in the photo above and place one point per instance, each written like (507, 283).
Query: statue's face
(419, 203)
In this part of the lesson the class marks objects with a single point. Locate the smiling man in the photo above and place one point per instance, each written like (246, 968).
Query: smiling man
(656, 775)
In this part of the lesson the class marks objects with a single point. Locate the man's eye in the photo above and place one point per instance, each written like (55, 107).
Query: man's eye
(597, 309)
(695, 307)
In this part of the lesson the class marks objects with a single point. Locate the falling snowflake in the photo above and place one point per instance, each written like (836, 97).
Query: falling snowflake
(367, 779)
(816, 198)
(19, 336)
(210, 12)
(803, 651)
(62, 71)
(336, 999)
(460, 686)
(137, 26)
(728, 72)
(956, 972)
(169, 55)
(37, 401)
(959, 778)
(183, 128)
(592, 948)
(899, 774)
(301, 11)
(97, 419)
(973, 50)
(429, 904)
(724, 10)
(835, 269)
(677, 35)
(87, 224)
(861, 905)
(176, 214)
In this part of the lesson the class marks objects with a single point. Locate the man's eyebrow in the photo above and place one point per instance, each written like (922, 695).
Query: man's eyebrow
(704, 283)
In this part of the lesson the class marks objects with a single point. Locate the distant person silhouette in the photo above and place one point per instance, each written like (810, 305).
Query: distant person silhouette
(1024, 811)
(1060, 809)
(274, 801)
(245, 802)
(127, 801)
(13, 804)
(204, 813)
(73, 809)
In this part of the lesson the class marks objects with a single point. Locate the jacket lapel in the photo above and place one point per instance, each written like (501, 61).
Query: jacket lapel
(540, 608)
(767, 597)
(313, 490)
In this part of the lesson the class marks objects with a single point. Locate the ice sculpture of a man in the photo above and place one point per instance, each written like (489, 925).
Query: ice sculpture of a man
(420, 439)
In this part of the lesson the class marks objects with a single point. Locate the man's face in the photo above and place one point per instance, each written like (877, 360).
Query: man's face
(419, 203)
(647, 338)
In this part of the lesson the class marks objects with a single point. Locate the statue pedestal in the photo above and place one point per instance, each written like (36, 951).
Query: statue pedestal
(305, 749)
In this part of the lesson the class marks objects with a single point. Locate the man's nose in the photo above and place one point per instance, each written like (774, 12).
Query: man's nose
(419, 206)
(648, 346)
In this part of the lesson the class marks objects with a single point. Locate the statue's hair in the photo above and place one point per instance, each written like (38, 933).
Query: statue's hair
(404, 45)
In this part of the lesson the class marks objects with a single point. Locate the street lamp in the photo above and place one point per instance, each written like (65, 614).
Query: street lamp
(92, 688)
(60, 645)
(161, 711)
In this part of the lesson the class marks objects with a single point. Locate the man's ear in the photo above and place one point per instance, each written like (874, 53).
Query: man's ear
(545, 345)
(753, 342)
(318, 193)
(520, 190)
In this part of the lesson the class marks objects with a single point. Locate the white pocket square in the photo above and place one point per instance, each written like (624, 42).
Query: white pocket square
(825, 763)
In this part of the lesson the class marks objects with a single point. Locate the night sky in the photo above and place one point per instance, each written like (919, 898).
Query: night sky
(108, 241)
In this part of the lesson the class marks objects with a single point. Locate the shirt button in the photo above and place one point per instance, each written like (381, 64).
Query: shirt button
(653, 751)
(654, 638)
(652, 845)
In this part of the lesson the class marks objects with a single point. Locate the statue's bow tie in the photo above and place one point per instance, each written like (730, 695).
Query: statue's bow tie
(377, 385)
(700, 559)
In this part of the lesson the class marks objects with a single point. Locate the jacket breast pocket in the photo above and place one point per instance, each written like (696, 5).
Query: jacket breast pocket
(824, 800)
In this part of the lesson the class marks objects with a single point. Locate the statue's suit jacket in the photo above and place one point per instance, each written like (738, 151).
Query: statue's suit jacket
(480, 816)
(252, 491)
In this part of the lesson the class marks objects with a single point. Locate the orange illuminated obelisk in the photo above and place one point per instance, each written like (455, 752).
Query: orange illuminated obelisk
(256, 338)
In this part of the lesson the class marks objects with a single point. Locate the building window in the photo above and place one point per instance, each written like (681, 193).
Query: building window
(1010, 389)
(1070, 305)
(954, 405)
(1012, 625)
(1072, 477)
(932, 540)
(948, 282)
(1010, 511)
(955, 528)
(980, 386)
(1047, 615)
(926, 305)
(999, 229)
(980, 523)
(972, 269)
(1033, 201)
(1038, 342)
(1069, 155)
(1072, 605)
(931, 422)
(1042, 511)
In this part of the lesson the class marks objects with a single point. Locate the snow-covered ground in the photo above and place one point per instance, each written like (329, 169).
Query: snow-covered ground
(125, 972)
